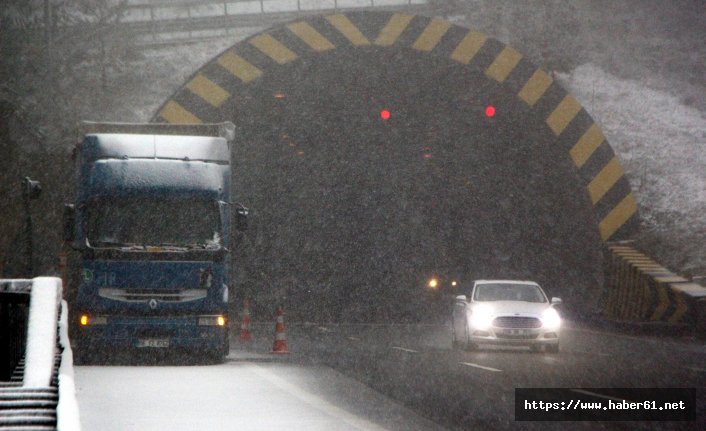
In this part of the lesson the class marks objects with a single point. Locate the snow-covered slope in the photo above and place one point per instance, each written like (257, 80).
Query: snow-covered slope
(662, 146)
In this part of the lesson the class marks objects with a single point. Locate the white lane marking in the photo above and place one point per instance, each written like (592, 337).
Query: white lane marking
(701, 370)
(594, 394)
(480, 366)
(354, 338)
(583, 352)
(314, 401)
(405, 350)
(550, 359)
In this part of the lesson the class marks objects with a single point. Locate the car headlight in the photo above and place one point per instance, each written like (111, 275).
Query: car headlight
(550, 318)
(482, 317)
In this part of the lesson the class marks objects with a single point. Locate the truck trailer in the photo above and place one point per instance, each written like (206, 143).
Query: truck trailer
(151, 224)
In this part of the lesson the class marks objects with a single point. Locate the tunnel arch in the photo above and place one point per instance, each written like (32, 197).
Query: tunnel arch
(547, 115)
(574, 129)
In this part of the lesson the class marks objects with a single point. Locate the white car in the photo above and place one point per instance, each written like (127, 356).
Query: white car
(507, 312)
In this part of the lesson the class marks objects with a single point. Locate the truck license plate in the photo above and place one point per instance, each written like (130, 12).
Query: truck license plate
(153, 342)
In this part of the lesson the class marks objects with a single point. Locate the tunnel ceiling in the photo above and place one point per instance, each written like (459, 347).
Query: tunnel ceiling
(346, 198)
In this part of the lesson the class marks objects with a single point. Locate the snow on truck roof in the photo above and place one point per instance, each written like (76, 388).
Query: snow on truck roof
(225, 130)
(131, 146)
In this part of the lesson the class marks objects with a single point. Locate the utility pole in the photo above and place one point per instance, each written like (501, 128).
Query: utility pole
(48, 38)
(30, 190)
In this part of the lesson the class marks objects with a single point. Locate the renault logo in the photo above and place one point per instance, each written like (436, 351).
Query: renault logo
(153, 303)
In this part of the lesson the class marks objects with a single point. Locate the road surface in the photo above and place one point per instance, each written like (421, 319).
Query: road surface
(373, 377)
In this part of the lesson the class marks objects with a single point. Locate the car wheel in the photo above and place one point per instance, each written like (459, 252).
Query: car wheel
(553, 348)
(454, 340)
(470, 346)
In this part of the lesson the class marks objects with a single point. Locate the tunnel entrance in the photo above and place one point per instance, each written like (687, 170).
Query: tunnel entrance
(355, 212)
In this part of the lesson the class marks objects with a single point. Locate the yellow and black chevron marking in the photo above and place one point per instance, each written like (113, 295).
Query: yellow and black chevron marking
(204, 95)
(640, 289)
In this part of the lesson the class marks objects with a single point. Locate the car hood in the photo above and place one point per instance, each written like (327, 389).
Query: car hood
(510, 308)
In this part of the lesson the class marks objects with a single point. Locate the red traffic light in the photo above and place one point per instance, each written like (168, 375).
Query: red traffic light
(490, 111)
(385, 114)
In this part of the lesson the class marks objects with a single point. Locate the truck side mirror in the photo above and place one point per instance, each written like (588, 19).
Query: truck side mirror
(241, 218)
(69, 222)
(31, 189)
(556, 300)
(461, 298)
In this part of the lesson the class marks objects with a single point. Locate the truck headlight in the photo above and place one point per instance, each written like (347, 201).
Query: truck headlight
(85, 320)
(212, 321)
(482, 317)
(550, 318)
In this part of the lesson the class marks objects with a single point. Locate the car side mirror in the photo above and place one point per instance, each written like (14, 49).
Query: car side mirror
(556, 300)
(461, 298)
(241, 218)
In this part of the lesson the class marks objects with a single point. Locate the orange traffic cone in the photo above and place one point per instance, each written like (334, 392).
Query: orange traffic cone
(280, 345)
(245, 324)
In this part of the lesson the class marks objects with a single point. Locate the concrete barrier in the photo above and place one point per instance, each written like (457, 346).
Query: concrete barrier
(639, 289)
(67, 413)
(45, 299)
(41, 393)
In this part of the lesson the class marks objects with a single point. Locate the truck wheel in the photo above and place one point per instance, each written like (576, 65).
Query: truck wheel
(80, 356)
(225, 349)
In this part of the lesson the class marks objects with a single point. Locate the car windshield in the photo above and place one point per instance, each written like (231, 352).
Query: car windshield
(509, 292)
(148, 221)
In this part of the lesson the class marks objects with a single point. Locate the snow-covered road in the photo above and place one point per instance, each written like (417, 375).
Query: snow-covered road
(247, 392)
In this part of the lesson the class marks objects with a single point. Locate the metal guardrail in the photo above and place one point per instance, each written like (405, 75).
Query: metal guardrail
(39, 393)
(639, 289)
(154, 22)
(142, 11)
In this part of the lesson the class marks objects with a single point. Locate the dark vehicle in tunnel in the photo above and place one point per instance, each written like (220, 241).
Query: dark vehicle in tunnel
(151, 222)
(506, 312)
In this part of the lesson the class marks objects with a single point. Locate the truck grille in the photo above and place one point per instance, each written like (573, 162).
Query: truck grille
(517, 322)
(144, 295)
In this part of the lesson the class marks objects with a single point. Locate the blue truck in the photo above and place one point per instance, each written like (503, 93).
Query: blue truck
(151, 223)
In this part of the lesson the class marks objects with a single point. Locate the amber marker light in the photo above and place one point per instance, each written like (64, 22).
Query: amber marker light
(433, 283)
(221, 321)
(84, 320)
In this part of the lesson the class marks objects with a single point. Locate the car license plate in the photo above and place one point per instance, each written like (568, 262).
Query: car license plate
(515, 332)
(153, 342)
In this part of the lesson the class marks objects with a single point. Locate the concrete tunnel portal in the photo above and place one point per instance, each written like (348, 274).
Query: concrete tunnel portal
(353, 212)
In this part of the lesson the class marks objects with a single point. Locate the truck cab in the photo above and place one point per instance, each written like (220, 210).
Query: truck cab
(151, 222)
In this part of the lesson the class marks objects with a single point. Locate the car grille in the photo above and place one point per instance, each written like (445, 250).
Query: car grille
(517, 336)
(517, 322)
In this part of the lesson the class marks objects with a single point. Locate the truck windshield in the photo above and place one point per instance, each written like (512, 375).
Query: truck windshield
(154, 222)
(509, 292)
